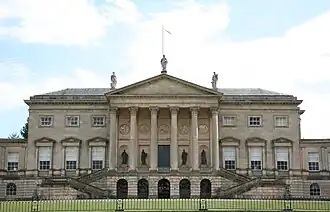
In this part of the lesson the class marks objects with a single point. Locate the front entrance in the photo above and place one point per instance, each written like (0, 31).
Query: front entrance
(164, 156)
(164, 189)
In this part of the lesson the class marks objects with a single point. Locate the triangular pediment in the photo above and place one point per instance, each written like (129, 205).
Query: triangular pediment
(164, 84)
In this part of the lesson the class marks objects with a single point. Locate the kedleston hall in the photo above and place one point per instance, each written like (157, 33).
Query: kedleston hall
(164, 137)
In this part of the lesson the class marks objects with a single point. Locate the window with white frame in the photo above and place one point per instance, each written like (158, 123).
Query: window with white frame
(11, 189)
(281, 121)
(256, 158)
(46, 121)
(313, 161)
(229, 157)
(45, 158)
(228, 120)
(71, 158)
(98, 158)
(12, 161)
(314, 189)
(72, 121)
(98, 121)
(254, 121)
(282, 158)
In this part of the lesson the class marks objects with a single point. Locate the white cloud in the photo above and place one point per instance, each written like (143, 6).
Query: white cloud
(29, 84)
(199, 46)
(66, 22)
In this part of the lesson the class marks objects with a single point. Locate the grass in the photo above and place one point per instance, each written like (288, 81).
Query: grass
(163, 205)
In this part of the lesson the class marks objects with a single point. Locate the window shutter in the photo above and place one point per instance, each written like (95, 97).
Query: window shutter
(71, 154)
(45, 154)
(229, 153)
(256, 154)
(98, 153)
(13, 157)
(282, 154)
(313, 157)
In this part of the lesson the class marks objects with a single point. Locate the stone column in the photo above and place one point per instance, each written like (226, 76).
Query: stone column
(112, 156)
(153, 139)
(174, 138)
(215, 138)
(194, 136)
(323, 159)
(132, 152)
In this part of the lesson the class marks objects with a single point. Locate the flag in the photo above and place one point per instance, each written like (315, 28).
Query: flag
(168, 32)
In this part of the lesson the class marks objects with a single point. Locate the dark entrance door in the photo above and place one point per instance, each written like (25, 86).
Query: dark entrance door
(164, 191)
(143, 189)
(184, 187)
(164, 156)
(122, 189)
(205, 189)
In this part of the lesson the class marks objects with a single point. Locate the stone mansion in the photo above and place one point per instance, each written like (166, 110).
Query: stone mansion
(164, 137)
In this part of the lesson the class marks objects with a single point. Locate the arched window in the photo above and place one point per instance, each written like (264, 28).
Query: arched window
(314, 189)
(11, 189)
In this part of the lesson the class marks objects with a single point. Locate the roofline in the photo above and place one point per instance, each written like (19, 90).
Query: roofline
(216, 92)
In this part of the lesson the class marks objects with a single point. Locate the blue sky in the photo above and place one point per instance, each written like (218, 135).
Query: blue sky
(53, 44)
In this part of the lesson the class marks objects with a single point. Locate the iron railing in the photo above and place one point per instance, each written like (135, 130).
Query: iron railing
(239, 204)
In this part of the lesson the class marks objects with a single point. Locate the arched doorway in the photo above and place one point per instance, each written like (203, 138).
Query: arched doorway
(205, 189)
(122, 189)
(184, 187)
(143, 189)
(164, 191)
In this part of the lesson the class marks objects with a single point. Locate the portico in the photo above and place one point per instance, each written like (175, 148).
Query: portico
(153, 115)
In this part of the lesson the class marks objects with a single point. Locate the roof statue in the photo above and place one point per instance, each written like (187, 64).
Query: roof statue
(214, 81)
(113, 81)
(163, 61)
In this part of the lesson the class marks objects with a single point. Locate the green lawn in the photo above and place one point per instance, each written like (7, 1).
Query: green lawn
(164, 205)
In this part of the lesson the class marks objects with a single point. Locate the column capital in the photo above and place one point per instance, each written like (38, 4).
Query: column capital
(133, 110)
(194, 110)
(174, 110)
(154, 109)
(113, 110)
(214, 110)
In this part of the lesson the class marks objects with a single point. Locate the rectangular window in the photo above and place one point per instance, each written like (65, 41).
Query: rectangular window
(228, 120)
(98, 158)
(254, 121)
(229, 158)
(45, 158)
(281, 121)
(98, 121)
(72, 121)
(71, 158)
(313, 161)
(282, 158)
(12, 161)
(256, 158)
(46, 121)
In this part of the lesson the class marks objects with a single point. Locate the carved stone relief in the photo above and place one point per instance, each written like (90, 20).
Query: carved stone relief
(124, 129)
(203, 129)
(163, 129)
(144, 129)
(183, 129)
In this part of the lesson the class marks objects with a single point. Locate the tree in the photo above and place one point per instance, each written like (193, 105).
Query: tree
(14, 136)
(25, 130)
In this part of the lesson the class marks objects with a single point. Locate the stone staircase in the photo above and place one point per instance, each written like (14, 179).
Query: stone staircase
(94, 176)
(233, 176)
(93, 191)
(247, 186)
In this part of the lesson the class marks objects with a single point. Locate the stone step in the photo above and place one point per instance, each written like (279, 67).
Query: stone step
(89, 189)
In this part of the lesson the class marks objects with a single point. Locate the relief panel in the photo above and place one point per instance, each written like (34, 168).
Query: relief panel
(184, 129)
(124, 129)
(203, 129)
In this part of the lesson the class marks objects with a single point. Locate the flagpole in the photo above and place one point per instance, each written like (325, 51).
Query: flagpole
(162, 39)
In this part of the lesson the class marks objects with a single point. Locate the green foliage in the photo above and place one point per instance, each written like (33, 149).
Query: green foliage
(25, 130)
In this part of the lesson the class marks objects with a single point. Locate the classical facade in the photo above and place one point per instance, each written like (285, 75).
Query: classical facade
(164, 137)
